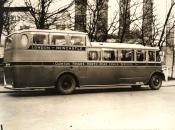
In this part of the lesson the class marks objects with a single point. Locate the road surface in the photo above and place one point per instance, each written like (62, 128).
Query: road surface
(97, 109)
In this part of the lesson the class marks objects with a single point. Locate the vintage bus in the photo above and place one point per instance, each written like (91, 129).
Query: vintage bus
(64, 60)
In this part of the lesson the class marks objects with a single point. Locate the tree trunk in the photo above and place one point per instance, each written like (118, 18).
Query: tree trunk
(1, 19)
(147, 22)
(124, 20)
(80, 15)
(102, 21)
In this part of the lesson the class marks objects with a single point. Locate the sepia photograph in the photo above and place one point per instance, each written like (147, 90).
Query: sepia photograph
(87, 64)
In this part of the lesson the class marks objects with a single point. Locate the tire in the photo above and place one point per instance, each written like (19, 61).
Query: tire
(66, 84)
(136, 87)
(155, 82)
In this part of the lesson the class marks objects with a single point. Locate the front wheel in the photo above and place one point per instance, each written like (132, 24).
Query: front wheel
(66, 84)
(155, 82)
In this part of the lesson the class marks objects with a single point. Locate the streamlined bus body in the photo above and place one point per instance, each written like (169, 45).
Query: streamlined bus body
(67, 59)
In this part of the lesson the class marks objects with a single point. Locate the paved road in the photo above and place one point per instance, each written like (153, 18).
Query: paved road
(89, 110)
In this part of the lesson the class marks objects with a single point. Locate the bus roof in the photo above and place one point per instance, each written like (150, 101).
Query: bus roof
(49, 31)
(122, 46)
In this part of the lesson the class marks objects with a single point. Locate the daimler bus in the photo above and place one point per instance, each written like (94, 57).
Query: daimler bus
(64, 60)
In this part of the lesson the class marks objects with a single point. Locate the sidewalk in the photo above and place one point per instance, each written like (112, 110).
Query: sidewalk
(169, 83)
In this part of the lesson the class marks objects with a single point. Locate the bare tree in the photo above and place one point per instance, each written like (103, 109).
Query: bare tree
(41, 14)
(10, 22)
(160, 43)
(80, 15)
(124, 20)
(2, 20)
(97, 21)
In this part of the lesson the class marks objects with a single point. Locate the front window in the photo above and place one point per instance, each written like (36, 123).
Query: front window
(39, 39)
(78, 40)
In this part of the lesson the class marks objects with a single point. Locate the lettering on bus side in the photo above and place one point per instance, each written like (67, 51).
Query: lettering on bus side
(63, 48)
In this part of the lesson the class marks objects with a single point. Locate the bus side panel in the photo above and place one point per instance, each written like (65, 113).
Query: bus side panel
(79, 72)
(41, 76)
(29, 76)
(119, 75)
(102, 75)
(137, 74)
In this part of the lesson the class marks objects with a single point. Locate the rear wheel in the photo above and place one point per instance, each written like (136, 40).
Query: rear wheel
(66, 84)
(155, 82)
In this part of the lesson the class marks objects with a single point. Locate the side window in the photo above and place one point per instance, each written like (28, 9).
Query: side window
(151, 55)
(127, 55)
(78, 40)
(39, 39)
(109, 55)
(94, 55)
(158, 56)
(58, 40)
(140, 55)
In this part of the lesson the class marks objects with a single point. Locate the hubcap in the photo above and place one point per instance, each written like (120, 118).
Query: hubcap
(156, 81)
(66, 84)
